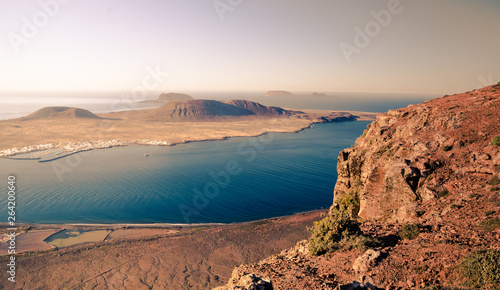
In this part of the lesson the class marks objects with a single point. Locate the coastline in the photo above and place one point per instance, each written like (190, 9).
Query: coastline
(32, 238)
(213, 131)
(155, 225)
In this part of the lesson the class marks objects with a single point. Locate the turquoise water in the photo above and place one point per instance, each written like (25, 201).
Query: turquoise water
(271, 175)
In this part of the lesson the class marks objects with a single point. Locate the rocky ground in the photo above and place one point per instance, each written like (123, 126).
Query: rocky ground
(433, 164)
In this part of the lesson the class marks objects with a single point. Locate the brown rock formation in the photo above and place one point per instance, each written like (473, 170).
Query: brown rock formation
(406, 156)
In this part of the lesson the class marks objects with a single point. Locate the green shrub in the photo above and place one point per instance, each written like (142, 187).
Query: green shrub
(443, 193)
(490, 212)
(495, 188)
(410, 231)
(351, 202)
(490, 225)
(447, 147)
(494, 181)
(496, 141)
(481, 269)
(332, 232)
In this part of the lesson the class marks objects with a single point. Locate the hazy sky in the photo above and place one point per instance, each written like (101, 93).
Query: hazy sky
(427, 46)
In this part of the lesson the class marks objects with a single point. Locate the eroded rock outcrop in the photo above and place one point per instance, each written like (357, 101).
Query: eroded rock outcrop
(391, 168)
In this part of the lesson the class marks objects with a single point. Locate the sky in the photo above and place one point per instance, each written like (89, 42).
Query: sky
(426, 46)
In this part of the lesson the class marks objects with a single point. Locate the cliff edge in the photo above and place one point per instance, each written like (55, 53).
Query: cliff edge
(416, 206)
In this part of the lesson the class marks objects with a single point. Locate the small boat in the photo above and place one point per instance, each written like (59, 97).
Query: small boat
(146, 155)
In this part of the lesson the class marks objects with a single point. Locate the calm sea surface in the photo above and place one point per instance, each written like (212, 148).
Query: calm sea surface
(235, 180)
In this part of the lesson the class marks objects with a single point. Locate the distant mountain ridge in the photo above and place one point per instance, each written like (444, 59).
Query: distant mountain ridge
(60, 112)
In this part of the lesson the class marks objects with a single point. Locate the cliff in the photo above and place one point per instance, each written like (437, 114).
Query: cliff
(412, 155)
(422, 184)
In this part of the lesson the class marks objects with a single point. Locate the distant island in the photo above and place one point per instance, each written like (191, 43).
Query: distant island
(165, 98)
(289, 94)
(73, 130)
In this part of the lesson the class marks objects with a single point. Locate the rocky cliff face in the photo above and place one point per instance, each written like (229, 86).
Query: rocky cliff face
(412, 155)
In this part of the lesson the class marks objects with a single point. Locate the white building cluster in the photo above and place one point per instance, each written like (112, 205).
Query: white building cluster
(26, 149)
(151, 142)
(69, 147)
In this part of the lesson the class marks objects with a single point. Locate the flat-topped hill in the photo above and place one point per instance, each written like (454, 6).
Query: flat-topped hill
(165, 98)
(60, 112)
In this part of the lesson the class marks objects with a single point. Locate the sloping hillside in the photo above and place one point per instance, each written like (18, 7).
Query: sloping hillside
(60, 112)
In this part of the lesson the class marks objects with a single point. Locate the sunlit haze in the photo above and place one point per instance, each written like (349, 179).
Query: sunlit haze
(444, 46)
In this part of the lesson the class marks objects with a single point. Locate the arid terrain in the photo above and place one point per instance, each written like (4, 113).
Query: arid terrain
(168, 257)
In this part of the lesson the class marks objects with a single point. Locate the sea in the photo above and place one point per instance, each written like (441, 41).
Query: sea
(227, 181)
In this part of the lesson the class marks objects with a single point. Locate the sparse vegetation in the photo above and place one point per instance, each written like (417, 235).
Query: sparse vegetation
(351, 202)
(335, 231)
(495, 188)
(490, 224)
(447, 147)
(410, 231)
(443, 193)
(490, 212)
(474, 195)
(481, 269)
(496, 141)
(494, 181)
(497, 167)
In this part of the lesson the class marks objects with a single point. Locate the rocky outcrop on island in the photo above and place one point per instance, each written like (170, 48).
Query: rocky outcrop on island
(165, 98)
(258, 109)
(195, 110)
(422, 189)
(60, 112)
